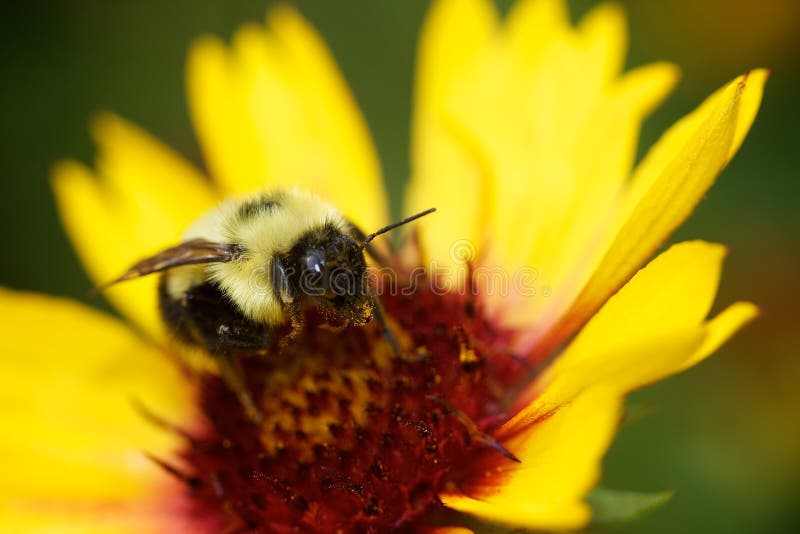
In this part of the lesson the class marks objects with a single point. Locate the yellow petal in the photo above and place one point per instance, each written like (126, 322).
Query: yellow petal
(142, 200)
(607, 147)
(273, 110)
(559, 463)
(148, 173)
(666, 187)
(525, 136)
(533, 24)
(605, 35)
(460, 65)
(748, 106)
(218, 105)
(721, 328)
(151, 517)
(540, 171)
(71, 378)
(454, 37)
(653, 327)
(556, 83)
(605, 152)
(675, 290)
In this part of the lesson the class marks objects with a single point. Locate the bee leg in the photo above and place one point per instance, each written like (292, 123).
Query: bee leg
(233, 377)
(388, 333)
(389, 336)
(286, 294)
(296, 323)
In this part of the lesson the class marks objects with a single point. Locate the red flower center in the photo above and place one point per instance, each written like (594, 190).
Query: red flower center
(356, 439)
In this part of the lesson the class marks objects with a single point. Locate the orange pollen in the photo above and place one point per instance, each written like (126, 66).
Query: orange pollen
(355, 438)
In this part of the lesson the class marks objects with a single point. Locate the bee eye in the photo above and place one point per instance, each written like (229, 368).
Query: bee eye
(313, 273)
(315, 262)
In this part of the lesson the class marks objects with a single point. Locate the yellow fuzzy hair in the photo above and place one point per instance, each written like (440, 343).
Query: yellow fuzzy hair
(247, 281)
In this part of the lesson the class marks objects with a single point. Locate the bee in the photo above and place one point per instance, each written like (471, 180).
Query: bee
(253, 266)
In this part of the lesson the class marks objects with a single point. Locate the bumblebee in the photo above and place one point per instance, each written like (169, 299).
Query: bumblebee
(252, 266)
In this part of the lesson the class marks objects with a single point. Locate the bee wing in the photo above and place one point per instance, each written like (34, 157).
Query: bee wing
(187, 253)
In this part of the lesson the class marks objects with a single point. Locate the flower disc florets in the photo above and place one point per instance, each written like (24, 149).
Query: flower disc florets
(356, 438)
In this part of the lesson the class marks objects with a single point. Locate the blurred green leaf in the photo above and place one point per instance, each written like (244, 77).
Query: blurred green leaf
(614, 506)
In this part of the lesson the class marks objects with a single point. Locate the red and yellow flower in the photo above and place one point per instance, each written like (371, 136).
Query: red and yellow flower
(524, 138)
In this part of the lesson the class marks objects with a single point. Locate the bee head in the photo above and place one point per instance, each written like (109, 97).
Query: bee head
(333, 273)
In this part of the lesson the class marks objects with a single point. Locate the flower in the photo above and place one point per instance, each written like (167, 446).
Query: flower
(524, 136)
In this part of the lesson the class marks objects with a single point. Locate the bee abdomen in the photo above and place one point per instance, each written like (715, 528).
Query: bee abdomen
(204, 318)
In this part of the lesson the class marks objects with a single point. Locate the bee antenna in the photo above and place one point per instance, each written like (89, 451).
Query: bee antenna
(394, 225)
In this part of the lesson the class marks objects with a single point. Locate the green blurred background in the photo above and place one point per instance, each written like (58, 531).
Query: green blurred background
(726, 434)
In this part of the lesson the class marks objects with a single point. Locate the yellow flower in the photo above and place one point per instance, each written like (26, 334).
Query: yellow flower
(524, 138)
